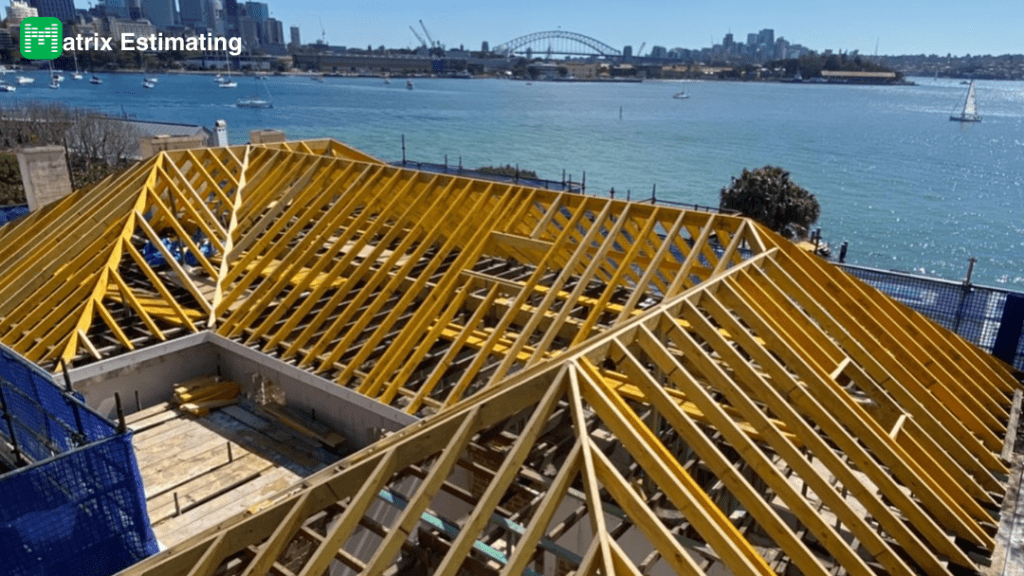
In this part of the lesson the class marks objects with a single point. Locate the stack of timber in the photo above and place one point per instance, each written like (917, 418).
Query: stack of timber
(200, 395)
(304, 424)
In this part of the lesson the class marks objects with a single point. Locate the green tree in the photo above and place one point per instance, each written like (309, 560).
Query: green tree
(770, 197)
(11, 190)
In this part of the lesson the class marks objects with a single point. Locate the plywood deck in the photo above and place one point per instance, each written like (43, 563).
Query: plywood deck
(188, 457)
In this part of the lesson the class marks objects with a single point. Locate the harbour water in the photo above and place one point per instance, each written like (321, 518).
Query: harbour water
(907, 188)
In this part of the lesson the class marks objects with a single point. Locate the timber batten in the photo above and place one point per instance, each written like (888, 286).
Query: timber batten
(720, 396)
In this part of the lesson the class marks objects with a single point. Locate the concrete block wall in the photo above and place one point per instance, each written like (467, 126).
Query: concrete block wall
(150, 146)
(44, 172)
(266, 136)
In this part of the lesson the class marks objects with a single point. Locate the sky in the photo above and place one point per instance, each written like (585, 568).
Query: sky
(894, 26)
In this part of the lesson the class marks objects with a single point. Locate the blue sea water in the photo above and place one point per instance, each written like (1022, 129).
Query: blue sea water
(907, 188)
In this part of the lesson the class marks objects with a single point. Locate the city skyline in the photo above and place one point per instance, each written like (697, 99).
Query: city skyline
(896, 27)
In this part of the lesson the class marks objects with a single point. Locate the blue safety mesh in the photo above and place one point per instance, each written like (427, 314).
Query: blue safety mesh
(80, 507)
(11, 213)
(41, 417)
(974, 312)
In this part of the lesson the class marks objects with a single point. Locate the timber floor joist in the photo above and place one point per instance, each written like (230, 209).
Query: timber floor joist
(725, 400)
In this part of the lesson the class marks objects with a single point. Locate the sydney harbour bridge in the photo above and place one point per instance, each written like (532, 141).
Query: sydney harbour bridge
(556, 42)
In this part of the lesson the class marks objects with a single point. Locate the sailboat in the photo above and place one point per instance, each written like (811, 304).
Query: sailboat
(970, 110)
(255, 101)
(4, 86)
(226, 81)
(55, 77)
(78, 74)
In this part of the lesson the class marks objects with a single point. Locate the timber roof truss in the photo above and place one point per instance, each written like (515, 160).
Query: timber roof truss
(607, 386)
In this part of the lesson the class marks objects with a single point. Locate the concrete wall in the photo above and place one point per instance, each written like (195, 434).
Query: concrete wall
(44, 172)
(149, 146)
(266, 136)
(153, 371)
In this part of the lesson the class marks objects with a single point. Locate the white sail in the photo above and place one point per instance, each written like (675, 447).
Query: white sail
(970, 105)
(970, 110)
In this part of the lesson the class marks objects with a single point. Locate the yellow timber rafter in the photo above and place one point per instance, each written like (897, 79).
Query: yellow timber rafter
(680, 379)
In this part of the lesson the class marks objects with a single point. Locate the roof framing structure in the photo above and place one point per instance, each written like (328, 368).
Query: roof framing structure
(604, 386)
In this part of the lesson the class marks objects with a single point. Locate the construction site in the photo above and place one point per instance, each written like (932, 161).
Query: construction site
(313, 362)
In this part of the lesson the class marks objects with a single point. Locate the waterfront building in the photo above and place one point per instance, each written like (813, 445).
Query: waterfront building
(62, 9)
(18, 11)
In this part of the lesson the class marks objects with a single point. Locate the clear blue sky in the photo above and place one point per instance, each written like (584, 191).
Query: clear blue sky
(898, 26)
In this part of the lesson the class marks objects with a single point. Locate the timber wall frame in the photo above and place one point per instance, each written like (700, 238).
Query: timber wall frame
(721, 396)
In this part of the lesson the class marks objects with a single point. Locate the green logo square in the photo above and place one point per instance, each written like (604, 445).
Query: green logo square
(42, 38)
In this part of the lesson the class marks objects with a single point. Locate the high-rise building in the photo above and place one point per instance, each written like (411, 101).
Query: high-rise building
(115, 8)
(729, 44)
(627, 51)
(766, 37)
(249, 31)
(215, 16)
(485, 47)
(18, 11)
(296, 41)
(62, 9)
(231, 16)
(659, 52)
(193, 13)
(275, 32)
(258, 11)
(160, 13)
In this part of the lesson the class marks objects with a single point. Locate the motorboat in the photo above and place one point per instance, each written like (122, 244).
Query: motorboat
(95, 80)
(25, 79)
(681, 95)
(408, 84)
(146, 83)
(255, 101)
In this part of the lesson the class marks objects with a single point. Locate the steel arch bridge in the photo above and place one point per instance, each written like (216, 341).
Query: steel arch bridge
(558, 42)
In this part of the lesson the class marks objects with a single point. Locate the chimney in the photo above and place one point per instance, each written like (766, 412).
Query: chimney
(220, 133)
(44, 172)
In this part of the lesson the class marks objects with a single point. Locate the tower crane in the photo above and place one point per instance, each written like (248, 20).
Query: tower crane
(640, 51)
(418, 37)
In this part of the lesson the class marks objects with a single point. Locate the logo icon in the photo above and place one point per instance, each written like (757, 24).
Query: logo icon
(42, 38)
